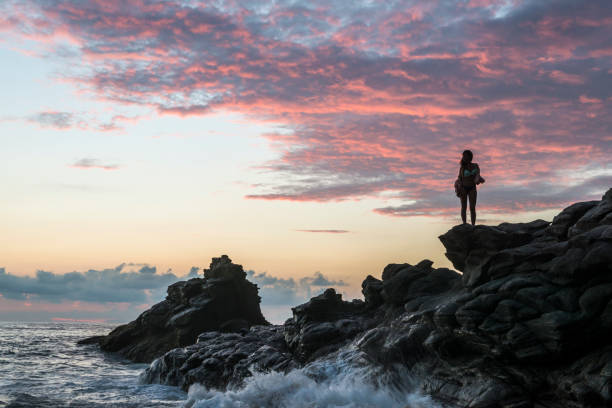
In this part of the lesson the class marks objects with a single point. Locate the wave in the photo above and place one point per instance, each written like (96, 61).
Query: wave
(344, 380)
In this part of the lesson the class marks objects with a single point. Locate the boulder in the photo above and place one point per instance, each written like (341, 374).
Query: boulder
(567, 218)
(371, 289)
(598, 215)
(324, 324)
(414, 282)
(470, 247)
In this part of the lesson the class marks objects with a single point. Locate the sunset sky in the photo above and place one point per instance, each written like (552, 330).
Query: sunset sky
(313, 142)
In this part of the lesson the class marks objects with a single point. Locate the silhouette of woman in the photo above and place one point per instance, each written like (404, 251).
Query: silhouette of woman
(469, 177)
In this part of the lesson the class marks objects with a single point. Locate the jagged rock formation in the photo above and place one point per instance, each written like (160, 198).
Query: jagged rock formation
(221, 301)
(527, 325)
(221, 360)
(324, 324)
(319, 327)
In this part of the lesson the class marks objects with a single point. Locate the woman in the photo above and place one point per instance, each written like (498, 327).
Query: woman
(469, 176)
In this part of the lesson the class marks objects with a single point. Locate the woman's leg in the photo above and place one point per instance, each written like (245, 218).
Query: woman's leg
(463, 205)
(472, 195)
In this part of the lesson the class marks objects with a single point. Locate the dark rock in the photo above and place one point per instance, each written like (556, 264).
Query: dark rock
(234, 325)
(223, 268)
(563, 299)
(533, 228)
(512, 311)
(223, 300)
(528, 325)
(444, 315)
(598, 215)
(323, 324)
(536, 297)
(371, 289)
(392, 269)
(557, 332)
(595, 298)
(567, 218)
(221, 360)
(90, 340)
(469, 247)
(587, 255)
(412, 282)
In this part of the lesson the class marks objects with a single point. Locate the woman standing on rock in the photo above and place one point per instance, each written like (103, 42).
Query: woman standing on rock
(465, 186)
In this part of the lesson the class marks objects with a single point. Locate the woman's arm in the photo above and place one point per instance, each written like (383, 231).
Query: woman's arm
(477, 178)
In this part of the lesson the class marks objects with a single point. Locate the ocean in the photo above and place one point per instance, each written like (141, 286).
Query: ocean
(41, 366)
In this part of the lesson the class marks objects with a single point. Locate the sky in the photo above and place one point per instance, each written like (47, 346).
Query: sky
(314, 142)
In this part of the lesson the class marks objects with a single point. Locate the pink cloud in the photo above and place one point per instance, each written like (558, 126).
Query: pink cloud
(586, 99)
(325, 231)
(11, 305)
(379, 99)
(563, 77)
(89, 163)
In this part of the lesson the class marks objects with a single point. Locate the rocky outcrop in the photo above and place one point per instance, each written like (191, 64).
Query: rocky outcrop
(471, 248)
(527, 324)
(224, 300)
(221, 360)
(324, 324)
(318, 328)
(530, 327)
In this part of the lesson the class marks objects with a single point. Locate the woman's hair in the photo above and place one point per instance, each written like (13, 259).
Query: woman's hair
(467, 157)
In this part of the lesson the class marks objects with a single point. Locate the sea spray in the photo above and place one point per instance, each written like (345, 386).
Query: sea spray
(344, 380)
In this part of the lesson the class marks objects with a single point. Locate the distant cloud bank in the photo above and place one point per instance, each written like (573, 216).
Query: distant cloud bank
(121, 293)
(120, 284)
(290, 292)
(376, 99)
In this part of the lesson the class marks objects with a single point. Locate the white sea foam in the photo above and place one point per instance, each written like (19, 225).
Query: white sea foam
(333, 383)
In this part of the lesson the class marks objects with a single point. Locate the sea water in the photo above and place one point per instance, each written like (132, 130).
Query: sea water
(42, 366)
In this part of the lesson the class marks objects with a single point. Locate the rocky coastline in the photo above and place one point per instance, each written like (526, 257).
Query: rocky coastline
(527, 322)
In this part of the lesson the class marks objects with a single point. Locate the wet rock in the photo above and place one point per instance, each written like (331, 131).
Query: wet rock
(323, 324)
(371, 289)
(527, 325)
(223, 300)
(557, 331)
(222, 360)
(90, 340)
